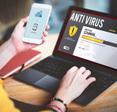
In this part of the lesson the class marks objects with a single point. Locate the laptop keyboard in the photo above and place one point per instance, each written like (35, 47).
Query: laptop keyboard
(53, 67)
(57, 68)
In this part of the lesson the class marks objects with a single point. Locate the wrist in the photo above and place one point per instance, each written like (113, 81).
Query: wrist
(19, 47)
(63, 96)
(56, 105)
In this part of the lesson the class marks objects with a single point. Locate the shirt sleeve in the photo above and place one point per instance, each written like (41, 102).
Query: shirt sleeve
(6, 105)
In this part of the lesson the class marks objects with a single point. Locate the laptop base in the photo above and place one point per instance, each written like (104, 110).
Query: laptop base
(46, 75)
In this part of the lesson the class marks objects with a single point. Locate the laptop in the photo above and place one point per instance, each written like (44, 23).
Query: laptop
(87, 38)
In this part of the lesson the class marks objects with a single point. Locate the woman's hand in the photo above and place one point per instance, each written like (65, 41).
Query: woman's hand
(75, 81)
(18, 34)
(15, 44)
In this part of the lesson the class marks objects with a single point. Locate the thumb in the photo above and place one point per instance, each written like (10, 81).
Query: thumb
(22, 21)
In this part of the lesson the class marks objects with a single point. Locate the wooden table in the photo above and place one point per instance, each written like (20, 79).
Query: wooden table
(106, 102)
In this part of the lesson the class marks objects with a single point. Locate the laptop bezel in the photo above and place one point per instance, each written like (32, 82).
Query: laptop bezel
(70, 57)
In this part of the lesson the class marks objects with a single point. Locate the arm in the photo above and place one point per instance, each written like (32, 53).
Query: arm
(74, 83)
(7, 51)
(15, 44)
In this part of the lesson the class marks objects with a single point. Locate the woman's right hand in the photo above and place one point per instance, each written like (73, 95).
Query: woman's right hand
(75, 81)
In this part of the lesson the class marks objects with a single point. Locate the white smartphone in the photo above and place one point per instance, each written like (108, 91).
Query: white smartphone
(38, 19)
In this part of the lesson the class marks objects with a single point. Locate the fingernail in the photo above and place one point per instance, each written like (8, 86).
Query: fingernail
(83, 68)
(94, 79)
(75, 67)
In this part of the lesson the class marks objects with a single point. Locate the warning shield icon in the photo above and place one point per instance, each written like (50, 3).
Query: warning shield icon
(72, 30)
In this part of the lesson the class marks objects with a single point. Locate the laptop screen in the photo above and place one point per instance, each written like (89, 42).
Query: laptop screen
(91, 36)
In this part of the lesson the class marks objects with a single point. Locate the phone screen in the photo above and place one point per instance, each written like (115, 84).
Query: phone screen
(38, 19)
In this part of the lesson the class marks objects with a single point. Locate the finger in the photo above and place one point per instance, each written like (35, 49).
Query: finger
(43, 39)
(45, 34)
(22, 22)
(71, 74)
(86, 74)
(90, 80)
(47, 27)
(81, 70)
(72, 70)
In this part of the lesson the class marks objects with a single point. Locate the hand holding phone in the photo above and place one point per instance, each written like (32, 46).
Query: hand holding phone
(38, 19)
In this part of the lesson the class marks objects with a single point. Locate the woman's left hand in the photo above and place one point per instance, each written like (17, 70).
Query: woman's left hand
(18, 33)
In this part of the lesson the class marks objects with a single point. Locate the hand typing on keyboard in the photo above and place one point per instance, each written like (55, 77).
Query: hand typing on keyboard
(75, 81)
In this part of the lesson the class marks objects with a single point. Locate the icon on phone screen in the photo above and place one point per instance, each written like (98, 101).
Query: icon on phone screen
(34, 28)
(39, 14)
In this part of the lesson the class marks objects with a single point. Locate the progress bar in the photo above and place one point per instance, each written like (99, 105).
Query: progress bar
(99, 41)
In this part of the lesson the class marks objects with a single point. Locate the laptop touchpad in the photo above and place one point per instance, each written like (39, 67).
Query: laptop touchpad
(48, 83)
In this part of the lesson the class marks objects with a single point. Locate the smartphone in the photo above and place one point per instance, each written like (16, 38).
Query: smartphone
(38, 19)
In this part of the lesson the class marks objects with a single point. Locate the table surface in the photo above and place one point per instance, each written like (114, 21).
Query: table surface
(106, 102)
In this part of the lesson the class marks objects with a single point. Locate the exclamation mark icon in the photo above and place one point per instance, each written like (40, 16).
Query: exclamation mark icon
(72, 30)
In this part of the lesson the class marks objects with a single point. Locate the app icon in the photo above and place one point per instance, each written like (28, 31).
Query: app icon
(66, 48)
(39, 14)
(73, 30)
(35, 26)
